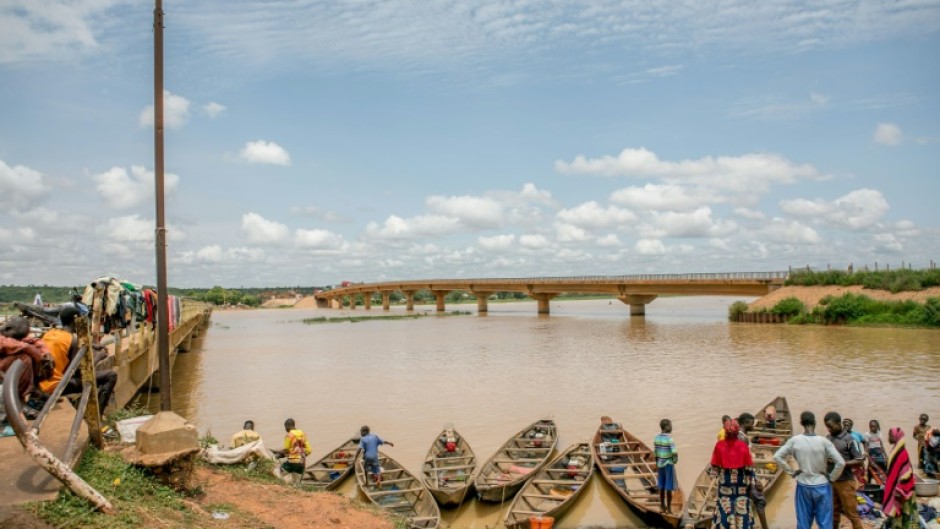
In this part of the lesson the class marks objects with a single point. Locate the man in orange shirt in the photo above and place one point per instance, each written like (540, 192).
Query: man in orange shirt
(63, 344)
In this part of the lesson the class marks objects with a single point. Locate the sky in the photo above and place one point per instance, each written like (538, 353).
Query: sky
(311, 142)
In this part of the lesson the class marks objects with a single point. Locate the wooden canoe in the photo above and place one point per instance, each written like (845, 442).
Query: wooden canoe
(449, 475)
(332, 469)
(518, 460)
(400, 494)
(554, 489)
(700, 508)
(631, 471)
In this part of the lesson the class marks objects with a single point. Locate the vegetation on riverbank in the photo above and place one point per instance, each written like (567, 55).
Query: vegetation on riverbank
(852, 309)
(902, 280)
(247, 496)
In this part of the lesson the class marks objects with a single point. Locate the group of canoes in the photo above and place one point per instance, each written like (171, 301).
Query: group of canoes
(524, 471)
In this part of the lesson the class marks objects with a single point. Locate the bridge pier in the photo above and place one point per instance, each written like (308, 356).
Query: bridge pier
(352, 302)
(543, 301)
(337, 303)
(386, 300)
(439, 297)
(323, 303)
(637, 302)
(482, 307)
(409, 299)
(367, 300)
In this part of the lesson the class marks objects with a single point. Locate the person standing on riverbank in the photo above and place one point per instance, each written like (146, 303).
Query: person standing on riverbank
(813, 492)
(296, 449)
(16, 344)
(844, 487)
(369, 444)
(900, 503)
(920, 431)
(755, 491)
(876, 447)
(733, 466)
(666, 459)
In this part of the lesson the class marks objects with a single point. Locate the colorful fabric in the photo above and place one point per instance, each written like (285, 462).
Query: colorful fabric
(732, 453)
(59, 343)
(665, 449)
(666, 478)
(813, 502)
(731, 428)
(907, 518)
(733, 509)
(297, 447)
(899, 487)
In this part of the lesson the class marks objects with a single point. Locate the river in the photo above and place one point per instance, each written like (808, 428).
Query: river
(491, 375)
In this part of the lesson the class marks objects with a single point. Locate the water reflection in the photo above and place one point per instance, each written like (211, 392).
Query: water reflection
(491, 375)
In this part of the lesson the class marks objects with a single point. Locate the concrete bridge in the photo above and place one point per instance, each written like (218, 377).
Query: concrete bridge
(634, 290)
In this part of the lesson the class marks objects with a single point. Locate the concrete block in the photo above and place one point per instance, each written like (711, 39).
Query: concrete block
(166, 432)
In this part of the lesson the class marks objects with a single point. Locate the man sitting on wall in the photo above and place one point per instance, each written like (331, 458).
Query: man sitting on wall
(16, 344)
(63, 344)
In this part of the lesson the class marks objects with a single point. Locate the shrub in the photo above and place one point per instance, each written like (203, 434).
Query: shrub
(736, 309)
(893, 280)
(789, 307)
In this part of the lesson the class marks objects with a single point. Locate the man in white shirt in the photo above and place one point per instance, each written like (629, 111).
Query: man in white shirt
(813, 490)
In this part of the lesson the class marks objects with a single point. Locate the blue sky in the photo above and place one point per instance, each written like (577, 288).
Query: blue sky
(311, 142)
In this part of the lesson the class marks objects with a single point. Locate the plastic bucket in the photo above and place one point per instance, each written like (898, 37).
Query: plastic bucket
(541, 522)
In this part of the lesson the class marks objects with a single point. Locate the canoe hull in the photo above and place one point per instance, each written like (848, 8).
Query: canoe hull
(441, 468)
(636, 480)
(330, 470)
(401, 494)
(490, 484)
(531, 500)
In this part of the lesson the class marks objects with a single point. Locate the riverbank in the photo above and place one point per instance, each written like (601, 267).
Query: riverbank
(812, 295)
(230, 497)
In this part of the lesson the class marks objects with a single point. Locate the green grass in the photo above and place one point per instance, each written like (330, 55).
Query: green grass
(891, 280)
(131, 491)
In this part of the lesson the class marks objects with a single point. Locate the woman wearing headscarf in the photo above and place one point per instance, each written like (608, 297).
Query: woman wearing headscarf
(734, 466)
(900, 504)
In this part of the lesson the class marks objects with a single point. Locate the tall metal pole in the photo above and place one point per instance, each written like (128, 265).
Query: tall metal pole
(163, 317)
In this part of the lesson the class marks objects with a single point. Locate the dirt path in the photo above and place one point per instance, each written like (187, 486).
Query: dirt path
(282, 507)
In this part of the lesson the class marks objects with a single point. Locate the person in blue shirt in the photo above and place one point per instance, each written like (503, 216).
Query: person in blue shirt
(369, 446)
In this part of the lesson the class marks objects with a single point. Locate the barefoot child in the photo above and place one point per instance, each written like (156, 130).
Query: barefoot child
(666, 459)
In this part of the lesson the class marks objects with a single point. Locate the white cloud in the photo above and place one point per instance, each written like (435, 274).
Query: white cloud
(698, 223)
(789, 232)
(748, 213)
(476, 212)
(747, 176)
(888, 134)
(215, 254)
(213, 109)
(591, 215)
(124, 190)
(398, 228)
(819, 99)
(857, 210)
(661, 196)
(175, 112)
(317, 239)
(134, 229)
(49, 30)
(21, 188)
(265, 152)
(259, 230)
(649, 247)
(497, 242)
(534, 241)
(569, 233)
(886, 243)
(315, 212)
(610, 240)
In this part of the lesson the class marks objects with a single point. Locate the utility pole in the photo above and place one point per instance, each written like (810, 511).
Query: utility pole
(163, 316)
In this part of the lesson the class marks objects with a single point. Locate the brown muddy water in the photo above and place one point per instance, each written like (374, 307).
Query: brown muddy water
(491, 375)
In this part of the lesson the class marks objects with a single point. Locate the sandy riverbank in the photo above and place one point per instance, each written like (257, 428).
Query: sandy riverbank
(810, 296)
